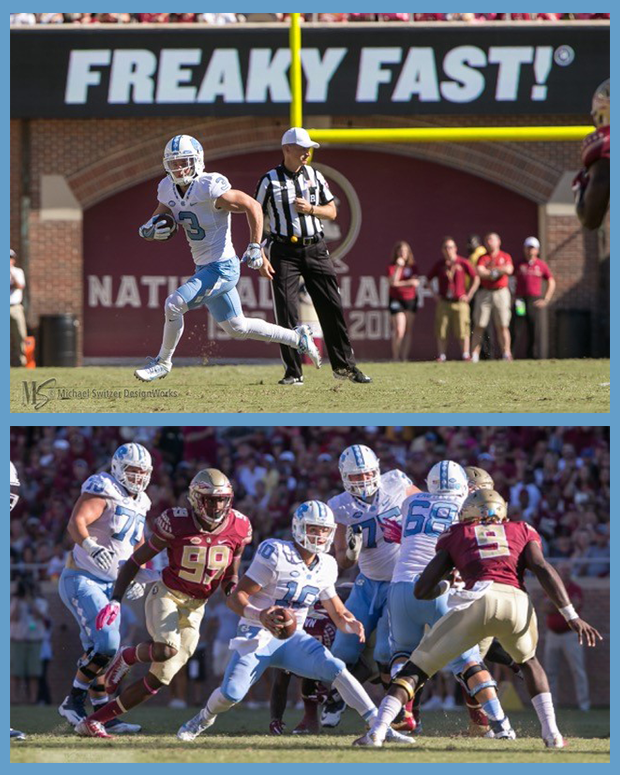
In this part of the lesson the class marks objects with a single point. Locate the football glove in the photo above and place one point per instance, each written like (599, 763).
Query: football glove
(155, 229)
(253, 256)
(108, 614)
(135, 591)
(102, 557)
(354, 543)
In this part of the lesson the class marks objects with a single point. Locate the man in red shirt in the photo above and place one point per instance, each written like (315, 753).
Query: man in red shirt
(561, 639)
(453, 298)
(494, 269)
(491, 554)
(529, 300)
(204, 545)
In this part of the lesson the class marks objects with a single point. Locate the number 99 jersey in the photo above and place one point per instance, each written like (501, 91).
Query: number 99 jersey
(287, 581)
(426, 516)
(119, 528)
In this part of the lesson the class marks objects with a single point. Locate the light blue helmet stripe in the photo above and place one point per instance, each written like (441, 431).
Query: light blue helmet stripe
(357, 453)
(176, 142)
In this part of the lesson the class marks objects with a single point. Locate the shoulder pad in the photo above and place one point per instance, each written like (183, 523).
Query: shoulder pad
(103, 485)
(268, 552)
(166, 525)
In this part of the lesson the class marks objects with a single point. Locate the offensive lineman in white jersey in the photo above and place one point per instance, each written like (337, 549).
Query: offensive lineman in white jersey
(107, 524)
(425, 516)
(15, 733)
(294, 574)
(201, 203)
(370, 504)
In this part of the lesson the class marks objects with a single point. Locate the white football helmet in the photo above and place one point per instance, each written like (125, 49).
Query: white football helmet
(184, 159)
(447, 476)
(136, 456)
(14, 487)
(313, 513)
(358, 459)
(601, 111)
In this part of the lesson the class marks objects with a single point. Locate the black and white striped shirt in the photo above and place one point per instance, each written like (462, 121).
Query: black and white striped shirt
(276, 194)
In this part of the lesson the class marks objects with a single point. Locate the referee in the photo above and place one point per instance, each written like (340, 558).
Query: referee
(294, 198)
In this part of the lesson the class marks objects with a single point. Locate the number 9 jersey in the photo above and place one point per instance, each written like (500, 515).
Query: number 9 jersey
(426, 516)
(119, 528)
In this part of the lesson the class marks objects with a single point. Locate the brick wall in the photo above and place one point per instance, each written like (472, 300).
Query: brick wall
(66, 644)
(102, 157)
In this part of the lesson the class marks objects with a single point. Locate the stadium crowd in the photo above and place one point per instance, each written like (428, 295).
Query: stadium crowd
(556, 478)
(232, 18)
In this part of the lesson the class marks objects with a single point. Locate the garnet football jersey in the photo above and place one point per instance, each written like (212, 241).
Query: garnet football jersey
(198, 559)
(377, 558)
(489, 552)
(320, 626)
(119, 528)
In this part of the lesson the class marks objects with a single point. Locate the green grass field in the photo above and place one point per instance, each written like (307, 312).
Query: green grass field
(522, 386)
(240, 736)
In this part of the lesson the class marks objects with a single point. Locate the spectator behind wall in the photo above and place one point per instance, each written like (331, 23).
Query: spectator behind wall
(19, 330)
(529, 299)
(403, 275)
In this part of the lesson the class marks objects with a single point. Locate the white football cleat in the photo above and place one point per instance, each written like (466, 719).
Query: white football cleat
(369, 740)
(91, 728)
(195, 726)
(156, 369)
(307, 346)
(555, 741)
(119, 727)
(502, 731)
(392, 736)
(115, 673)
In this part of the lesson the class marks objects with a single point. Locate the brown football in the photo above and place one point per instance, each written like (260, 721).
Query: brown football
(169, 222)
(289, 623)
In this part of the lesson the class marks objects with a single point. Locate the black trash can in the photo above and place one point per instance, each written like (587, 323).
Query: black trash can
(57, 340)
(574, 333)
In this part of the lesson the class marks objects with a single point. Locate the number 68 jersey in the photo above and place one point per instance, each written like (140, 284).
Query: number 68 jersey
(287, 581)
(426, 516)
(119, 528)
(199, 559)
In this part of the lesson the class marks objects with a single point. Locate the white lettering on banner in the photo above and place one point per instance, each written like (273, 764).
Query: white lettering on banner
(373, 325)
(128, 293)
(345, 291)
(131, 77)
(509, 59)
(99, 291)
(223, 77)
(153, 283)
(320, 72)
(172, 74)
(367, 293)
(80, 75)
(268, 74)
(264, 293)
(245, 287)
(418, 76)
(371, 74)
(468, 84)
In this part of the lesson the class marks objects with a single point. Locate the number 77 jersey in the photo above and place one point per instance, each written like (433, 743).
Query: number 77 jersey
(198, 559)
(426, 517)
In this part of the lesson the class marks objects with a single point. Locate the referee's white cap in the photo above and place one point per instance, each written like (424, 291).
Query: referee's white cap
(298, 136)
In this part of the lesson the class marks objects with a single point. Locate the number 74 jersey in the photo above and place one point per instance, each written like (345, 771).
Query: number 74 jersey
(426, 516)
(197, 559)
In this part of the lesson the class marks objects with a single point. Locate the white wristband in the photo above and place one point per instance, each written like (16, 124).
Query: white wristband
(569, 613)
(252, 613)
(89, 544)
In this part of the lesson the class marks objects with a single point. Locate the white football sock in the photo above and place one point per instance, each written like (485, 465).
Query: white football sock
(388, 710)
(354, 694)
(174, 310)
(217, 703)
(241, 327)
(543, 705)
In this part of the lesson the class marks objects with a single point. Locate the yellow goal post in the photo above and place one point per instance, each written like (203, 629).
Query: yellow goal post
(415, 134)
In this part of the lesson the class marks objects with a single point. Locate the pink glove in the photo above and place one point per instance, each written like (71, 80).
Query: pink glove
(108, 615)
(392, 531)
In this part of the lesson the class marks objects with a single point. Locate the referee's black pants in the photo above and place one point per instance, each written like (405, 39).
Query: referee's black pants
(315, 266)
(525, 326)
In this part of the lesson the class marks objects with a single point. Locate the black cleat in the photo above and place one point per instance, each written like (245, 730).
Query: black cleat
(353, 375)
(73, 709)
(291, 381)
(17, 735)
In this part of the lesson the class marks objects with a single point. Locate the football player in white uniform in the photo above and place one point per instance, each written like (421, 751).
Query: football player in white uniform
(107, 524)
(291, 574)
(201, 202)
(371, 503)
(426, 515)
(15, 733)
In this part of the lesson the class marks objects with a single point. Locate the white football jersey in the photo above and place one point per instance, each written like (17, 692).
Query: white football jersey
(287, 581)
(425, 517)
(207, 229)
(119, 528)
(377, 558)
